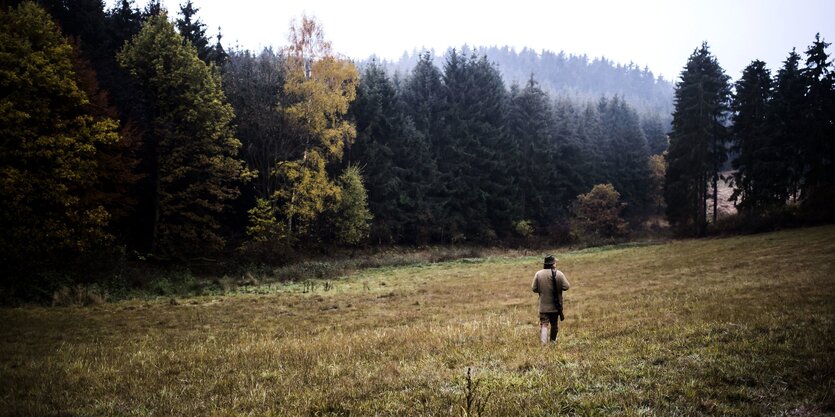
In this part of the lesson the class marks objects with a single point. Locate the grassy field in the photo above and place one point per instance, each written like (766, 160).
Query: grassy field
(734, 326)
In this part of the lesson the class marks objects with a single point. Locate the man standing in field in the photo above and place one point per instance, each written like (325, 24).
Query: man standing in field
(549, 283)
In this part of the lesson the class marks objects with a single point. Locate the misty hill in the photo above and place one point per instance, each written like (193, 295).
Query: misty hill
(576, 77)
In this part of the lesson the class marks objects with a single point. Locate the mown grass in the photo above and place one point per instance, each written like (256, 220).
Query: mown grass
(732, 326)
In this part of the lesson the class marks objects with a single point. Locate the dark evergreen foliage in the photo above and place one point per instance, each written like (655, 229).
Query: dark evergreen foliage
(626, 154)
(759, 162)
(193, 30)
(817, 149)
(575, 77)
(533, 156)
(397, 165)
(787, 124)
(656, 133)
(697, 141)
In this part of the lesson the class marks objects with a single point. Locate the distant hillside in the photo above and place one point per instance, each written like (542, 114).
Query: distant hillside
(576, 77)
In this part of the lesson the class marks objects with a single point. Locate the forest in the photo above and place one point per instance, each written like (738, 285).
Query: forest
(128, 135)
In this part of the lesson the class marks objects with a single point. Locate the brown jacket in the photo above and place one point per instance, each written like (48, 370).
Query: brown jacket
(543, 285)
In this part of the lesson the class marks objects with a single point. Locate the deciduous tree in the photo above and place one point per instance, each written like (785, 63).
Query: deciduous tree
(318, 88)
(195, 166)
(48, 156)
(596, 215)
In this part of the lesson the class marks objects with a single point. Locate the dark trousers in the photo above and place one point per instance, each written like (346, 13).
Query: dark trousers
(554, 320)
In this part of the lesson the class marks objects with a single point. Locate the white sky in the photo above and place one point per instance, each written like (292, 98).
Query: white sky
(656, 33)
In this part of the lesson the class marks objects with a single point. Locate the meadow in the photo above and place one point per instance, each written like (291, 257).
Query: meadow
(740, 325)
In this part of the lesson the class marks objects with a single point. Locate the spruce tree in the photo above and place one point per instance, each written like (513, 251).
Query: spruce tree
(424, 101)
(655, 133)
(253, 84)
(759, 159)
(697, 141)
(474, 183)
(397, 165)
(590, 130)
(787, 124)
(532, 156)
(570, 158)
(626, 154)
(193, 30)
(818, 150)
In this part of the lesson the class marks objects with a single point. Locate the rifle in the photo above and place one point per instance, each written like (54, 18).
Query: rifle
(557, 292)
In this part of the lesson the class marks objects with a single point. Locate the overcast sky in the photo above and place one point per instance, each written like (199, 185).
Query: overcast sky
(655, 33)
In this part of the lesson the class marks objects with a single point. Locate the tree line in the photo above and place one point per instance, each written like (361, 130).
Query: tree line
(776, 131)
(451, 154)
(128, 131)
(568, 76)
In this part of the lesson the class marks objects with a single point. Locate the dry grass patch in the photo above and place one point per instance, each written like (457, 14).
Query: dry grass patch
(736, 326)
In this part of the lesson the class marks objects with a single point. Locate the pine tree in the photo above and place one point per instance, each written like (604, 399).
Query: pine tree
(759, 161)
(697, 141)
(48, 155)
(196, 171)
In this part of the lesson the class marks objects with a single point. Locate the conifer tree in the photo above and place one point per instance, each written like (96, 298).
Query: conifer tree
(759, 160)
(193, 30)
(570, 156)
(195, 168)
(626, 154)
(424, 102)
(352, 218)
(590, 131)
(397, 166)
(818, 150)
(655, 133)
(532, 156)
(254, 84)
(475, 185)
(787, 124)
(697, 141)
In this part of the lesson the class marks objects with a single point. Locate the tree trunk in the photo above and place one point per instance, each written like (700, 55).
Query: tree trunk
(715, 195)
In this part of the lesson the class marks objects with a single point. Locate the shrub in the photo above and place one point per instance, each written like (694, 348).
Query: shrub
(596, 216)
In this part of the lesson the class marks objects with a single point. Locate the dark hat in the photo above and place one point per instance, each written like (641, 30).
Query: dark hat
(550, 260)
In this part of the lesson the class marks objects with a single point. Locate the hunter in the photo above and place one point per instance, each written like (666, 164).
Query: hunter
(549, 283)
